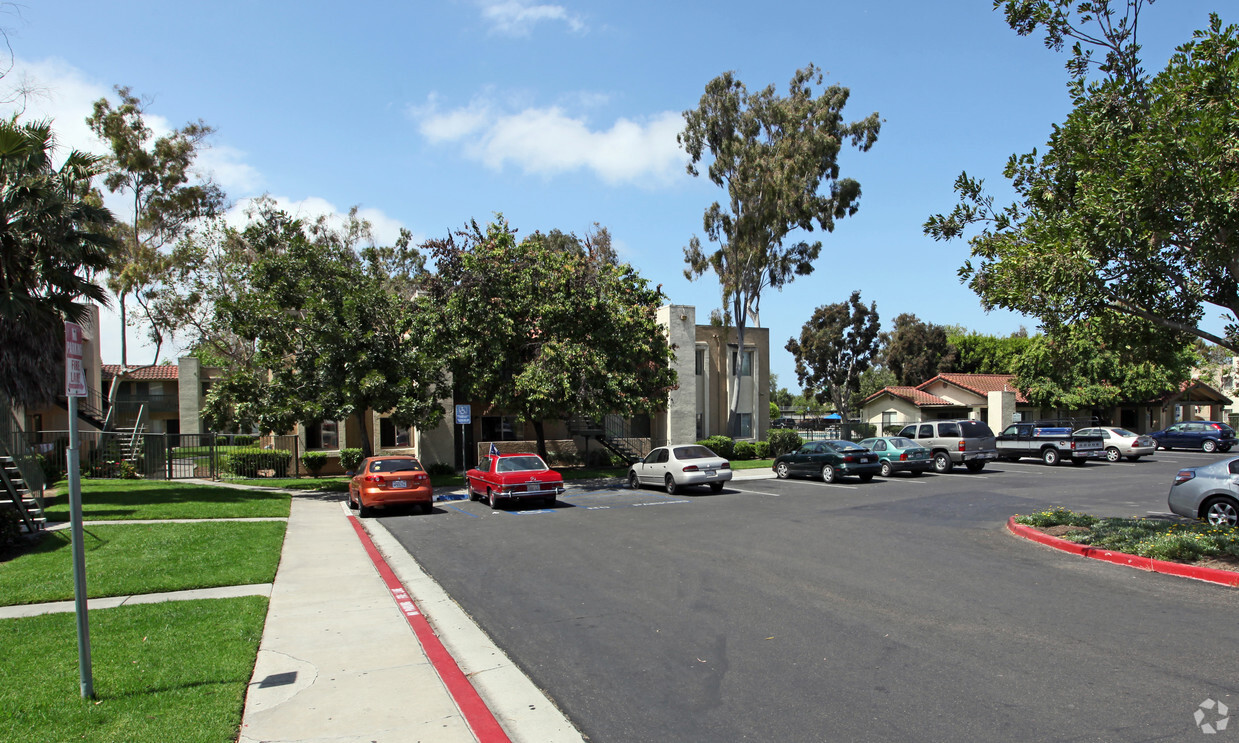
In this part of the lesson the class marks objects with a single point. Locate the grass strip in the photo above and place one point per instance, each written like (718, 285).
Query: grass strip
(332, 483)
(1159, 539)
(145, 558)
(162, 499)
(175, 671)
(752, 464)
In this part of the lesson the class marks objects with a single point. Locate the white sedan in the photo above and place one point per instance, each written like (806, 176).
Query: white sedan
(674, 467)
(1120, 442)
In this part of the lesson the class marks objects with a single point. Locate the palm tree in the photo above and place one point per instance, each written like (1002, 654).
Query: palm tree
(54, 240)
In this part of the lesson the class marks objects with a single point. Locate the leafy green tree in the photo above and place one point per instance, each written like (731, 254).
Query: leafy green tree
(548, 329)
(778, 159)
(1130, 208)
(874, 379)
(987, 354)
(837, 344)
(916, 350)
(780, 396)
(166, 196)
(328, 339)
(54, 235)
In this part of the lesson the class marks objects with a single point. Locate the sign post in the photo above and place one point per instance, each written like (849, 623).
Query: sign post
(75, 387)
(464, 417)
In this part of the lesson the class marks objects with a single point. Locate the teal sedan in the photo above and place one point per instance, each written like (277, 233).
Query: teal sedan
(899, 454)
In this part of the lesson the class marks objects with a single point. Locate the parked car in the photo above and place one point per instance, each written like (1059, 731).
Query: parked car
(783, 423)
(1049, 441)
(828, 459)
(389, 481)
(966, 442)
(899, 454)
(1207, 436)
(512, 477)
(1209, 492)
(676, 467)
(1120, 442)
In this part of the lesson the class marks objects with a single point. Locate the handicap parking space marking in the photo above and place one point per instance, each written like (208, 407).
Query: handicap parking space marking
(461, 510)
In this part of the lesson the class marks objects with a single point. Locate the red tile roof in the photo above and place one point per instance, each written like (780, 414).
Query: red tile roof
(980, 384)
(165, 372)
(917, 397)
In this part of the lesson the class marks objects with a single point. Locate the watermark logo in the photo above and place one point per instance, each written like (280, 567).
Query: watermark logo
(1211, 717)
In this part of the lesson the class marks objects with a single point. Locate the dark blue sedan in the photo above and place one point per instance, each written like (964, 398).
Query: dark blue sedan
(1208, 436)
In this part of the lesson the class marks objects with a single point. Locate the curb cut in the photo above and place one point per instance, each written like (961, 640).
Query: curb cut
(1210, 575)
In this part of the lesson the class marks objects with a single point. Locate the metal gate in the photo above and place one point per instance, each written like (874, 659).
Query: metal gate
(172, 456)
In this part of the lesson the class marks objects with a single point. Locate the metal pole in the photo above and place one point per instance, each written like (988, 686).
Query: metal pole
(79, 556)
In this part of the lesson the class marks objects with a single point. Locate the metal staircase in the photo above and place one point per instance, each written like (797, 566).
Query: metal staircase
(21, 475)
(27, 502)
(612, 432)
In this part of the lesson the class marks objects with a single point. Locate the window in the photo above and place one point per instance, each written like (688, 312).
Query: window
(927, 431)
(322, 435)
(391, 435)
(948, 429)
(701, 426)
(888, 420)
(499, 428)
(746, 363)
(746, 425)
(699, 363)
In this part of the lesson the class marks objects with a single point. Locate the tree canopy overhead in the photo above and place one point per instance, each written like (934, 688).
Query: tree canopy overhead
(1132, 209)
(54, 240)
(777, 157)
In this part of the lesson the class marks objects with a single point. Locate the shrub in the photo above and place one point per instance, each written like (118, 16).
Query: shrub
(126, 470)
(783, 440)
(743, 450)
(858, 431)
(314, 461)
(10, 528)
(51, 470)
(247, 462)
(244, 440)
(440, 469)
(221, 441)
(892, 430)
(761, 450)
(723, 446)
(350, 459)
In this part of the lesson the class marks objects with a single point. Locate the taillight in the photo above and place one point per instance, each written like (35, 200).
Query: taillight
(372, 478)
(903, 457)
(1184, 476)
(726, 466)
(690, 468)
(961, 445)
(1073, 446)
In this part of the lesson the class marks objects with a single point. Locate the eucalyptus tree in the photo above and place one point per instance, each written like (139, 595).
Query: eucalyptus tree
(166, 196)
(54, 241)
(777, 157)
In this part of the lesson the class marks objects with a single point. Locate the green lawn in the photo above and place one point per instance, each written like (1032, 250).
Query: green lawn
(161, 499)
(334, 483)
(145, 558)
(752, 464)
(175, 671)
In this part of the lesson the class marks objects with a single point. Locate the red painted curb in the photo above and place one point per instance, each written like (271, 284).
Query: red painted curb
(477, 715)
(1210, 575)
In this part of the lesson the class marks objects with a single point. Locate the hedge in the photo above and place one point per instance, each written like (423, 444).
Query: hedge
(247, 462)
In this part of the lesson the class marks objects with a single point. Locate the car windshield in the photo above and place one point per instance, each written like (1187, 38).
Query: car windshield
(395, 465)
(693, 452)
(1123, 432)
(524, 463)
(902, 443)
(846, 446)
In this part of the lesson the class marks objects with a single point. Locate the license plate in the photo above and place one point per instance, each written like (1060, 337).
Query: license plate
(400, 484)
(865, 459)
(709, 473)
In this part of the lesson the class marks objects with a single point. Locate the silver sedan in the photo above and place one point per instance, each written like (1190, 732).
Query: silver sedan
(1120, 442)
(674, 467)
(1209, 492)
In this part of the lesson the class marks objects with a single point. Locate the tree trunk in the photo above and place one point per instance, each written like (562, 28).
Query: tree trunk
(740, 312)
(366, 449)
(540, 434)
(124, 332)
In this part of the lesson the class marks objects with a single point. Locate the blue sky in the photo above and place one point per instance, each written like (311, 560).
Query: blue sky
(560, 114)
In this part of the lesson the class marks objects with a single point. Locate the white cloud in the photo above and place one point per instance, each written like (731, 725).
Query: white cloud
(548, 141)
(386, 229)
(516, 18)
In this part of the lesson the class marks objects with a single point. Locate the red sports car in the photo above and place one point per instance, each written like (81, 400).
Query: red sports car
(512, 477)
(389, 481)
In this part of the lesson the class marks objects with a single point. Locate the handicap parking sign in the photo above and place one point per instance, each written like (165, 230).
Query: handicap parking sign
(463, 415)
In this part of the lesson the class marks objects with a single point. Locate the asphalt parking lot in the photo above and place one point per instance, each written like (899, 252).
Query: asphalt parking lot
(898, 609)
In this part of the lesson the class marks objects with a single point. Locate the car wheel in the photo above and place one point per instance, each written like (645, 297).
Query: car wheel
(1049, 456)
(492, 498)
(942, 463)
(828, 473)
(716, 487)
(1208, 446)
(974, 466)
(887, 470)
(1112, 454)
(866, 477)
(669, 484)
(363, 511)
(634, 482)
(782, 470)
(1220, 512)
(351, 503)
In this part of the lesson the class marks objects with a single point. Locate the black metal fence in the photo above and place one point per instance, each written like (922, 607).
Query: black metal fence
(170, 456)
